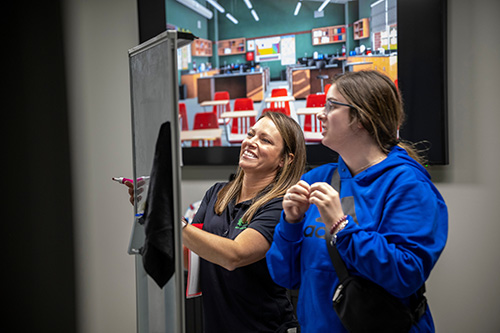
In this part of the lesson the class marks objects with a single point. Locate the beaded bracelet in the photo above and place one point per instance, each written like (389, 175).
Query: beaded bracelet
(337, 224)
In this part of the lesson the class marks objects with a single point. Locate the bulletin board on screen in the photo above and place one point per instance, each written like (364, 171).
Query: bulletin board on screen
(268, 49)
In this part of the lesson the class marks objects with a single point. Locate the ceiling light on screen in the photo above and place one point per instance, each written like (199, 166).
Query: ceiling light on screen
(323, 5)
(255, 16)
(248, 3)
(299, 4)
(216, 5)
(197, 7)
(231, 17)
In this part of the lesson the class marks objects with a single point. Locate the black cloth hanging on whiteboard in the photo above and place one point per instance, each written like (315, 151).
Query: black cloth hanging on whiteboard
(158, 252)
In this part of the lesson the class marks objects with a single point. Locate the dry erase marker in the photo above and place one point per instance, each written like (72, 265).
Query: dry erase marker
(122, 180)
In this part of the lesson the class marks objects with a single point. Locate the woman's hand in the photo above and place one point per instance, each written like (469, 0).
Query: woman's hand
(296, 202)
(298, 198)
(327, 199)
(140, 189)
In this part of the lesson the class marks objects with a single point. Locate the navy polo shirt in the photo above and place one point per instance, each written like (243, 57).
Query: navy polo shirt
(246, 299)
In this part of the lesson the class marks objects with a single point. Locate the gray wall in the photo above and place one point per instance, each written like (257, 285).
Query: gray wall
(464, 288)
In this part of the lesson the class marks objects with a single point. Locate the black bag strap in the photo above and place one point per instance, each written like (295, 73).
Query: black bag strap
(337, 261)
(336, 180)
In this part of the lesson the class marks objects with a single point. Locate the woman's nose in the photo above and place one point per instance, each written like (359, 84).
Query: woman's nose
(321, 115)
(250, 140)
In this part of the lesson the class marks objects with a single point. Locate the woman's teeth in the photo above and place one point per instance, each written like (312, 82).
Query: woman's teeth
(249, 154)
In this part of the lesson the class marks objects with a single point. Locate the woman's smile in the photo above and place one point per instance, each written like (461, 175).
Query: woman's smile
(249, 154)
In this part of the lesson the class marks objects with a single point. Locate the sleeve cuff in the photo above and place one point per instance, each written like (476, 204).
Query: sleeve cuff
(291, 232)
(350, 228)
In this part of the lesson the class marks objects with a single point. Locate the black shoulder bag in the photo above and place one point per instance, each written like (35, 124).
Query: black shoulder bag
(364, 306)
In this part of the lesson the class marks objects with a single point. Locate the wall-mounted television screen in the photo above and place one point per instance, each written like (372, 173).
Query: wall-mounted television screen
(417, 39)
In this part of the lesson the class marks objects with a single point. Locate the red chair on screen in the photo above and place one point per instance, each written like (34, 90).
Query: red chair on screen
(205, 120)
(242, 104)
(312, 125)
(241, 125)
(278, 92)
(183, 117)
(219, 109)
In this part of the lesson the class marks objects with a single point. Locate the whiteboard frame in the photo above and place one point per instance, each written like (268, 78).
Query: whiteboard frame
(154, 100)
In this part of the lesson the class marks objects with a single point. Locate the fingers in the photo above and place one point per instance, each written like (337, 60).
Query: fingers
(322, 187)
(296, 202)
(298, 198)
(323, 191)
(299, 190)
(302, 192)
(327, 199)
(139, 190)
(324, 196)
(303, 184)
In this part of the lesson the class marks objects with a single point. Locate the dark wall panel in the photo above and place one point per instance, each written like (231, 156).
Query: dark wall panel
(37, 221)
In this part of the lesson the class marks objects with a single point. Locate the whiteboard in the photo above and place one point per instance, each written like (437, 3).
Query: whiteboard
(154, 101)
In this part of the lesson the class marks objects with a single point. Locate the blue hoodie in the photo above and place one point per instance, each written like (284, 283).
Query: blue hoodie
(394, 237)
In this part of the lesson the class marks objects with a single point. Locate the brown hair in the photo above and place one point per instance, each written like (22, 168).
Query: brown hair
(288, 175)
(378, 107)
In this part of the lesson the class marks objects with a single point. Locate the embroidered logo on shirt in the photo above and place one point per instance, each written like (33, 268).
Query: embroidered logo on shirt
(241, 225)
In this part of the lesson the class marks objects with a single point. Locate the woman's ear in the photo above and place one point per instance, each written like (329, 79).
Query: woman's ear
(290, 160)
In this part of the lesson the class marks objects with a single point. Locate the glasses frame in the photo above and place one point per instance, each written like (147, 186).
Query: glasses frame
(329, 107)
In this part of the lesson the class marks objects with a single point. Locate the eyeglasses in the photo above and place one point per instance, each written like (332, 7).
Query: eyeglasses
(329, 105)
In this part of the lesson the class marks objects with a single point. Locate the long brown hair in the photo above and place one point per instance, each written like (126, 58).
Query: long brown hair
(378, 107)
(288, 175)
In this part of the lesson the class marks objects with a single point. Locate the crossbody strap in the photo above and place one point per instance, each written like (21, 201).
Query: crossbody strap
(337, 261)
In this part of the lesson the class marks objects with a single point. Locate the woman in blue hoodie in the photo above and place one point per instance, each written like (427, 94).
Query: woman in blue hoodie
(390, 221)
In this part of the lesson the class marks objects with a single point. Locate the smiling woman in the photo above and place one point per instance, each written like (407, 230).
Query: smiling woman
(238, 220)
